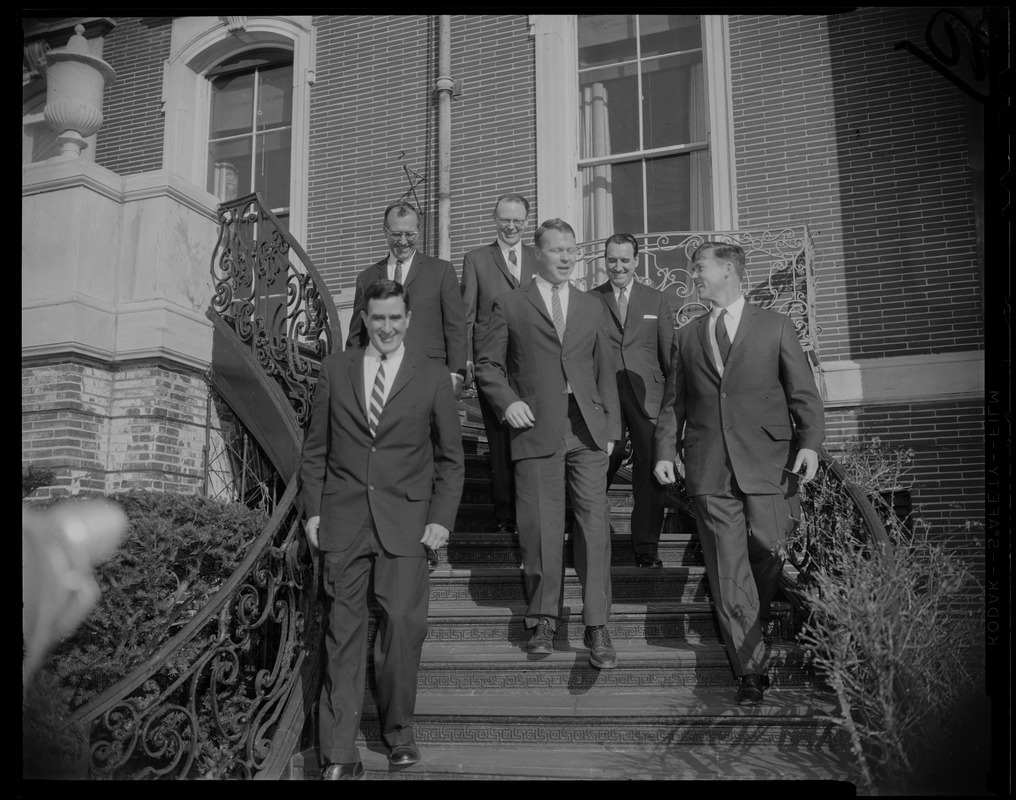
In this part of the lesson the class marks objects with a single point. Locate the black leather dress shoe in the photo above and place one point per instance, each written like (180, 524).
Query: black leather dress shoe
(602, 654)
(507, 527)
(751, 689)
(541, 643)
(648, 561)
(342, 772)
(404, 755)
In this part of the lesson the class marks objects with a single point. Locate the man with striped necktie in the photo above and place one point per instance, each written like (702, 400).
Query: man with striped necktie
(382, 473)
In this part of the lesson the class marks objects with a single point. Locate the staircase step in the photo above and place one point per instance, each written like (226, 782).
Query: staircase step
(694, 763)
(469, 546)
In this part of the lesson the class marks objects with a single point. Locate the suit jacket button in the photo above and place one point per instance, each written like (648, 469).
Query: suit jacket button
(370, 488)
(723, 394)
(374, 449)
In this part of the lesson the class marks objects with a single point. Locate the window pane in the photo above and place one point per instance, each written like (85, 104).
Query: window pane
(276, 98)
(669, 33)
(674, 107)
(229, 168)
(605, 39)
(232, 105)
(609, 111)
(271, 173)
(678, 195)
(612, 199)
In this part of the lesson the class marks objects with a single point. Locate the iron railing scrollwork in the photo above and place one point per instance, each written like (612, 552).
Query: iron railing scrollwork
(268, 291)
(209, 704)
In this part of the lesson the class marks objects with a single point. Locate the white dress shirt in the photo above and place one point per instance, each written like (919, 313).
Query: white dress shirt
(732, 320)
(371, 363)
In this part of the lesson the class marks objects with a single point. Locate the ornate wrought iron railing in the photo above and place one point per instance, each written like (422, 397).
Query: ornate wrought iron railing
(227, 696)
(268, 291)
(216, 700)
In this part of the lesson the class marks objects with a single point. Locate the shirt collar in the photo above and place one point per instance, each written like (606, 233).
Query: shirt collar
(372, 352)
(392, 260)
(734, 310)
(543, 283)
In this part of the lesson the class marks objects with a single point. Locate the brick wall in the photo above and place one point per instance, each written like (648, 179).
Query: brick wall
(835, 127)
(130, 140)
(372, 115)
(103, 429)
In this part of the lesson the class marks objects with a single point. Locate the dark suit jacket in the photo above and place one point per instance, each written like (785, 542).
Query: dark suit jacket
(437, 329)
(522, 359)
(767, 389)
(485, 275)
(409, 475)
(642, 347)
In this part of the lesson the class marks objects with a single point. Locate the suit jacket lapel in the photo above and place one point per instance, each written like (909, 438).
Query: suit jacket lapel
(533, 295)
(707, 350)
(356, 379)
(406, 372)
(529, 265)
(748, 316)
(414, 268)
(498, 257)
(607, 290)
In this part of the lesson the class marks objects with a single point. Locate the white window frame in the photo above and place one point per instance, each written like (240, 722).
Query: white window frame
(197, 44)
(558, 179)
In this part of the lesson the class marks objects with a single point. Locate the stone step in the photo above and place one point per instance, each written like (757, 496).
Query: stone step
(496, 548)
(656, 623)
(703, 765)
(666, 721)
(506, 585)
(500, 667)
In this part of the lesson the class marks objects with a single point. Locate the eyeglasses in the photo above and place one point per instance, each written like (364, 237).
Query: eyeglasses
(518, 223)
(410, 235)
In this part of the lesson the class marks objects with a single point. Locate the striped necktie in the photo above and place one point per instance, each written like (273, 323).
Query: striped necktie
(377, 398)
(514, 264)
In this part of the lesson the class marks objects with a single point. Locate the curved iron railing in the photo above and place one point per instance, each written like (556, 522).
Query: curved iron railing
(211, 702)
(227, 696)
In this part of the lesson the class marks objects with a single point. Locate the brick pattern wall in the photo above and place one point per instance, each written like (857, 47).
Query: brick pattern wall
(947, 477)
(104, 429)
(130, 140)
(372, 115)
(835, 127)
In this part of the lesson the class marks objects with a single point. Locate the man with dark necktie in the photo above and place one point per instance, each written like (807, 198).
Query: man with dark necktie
(641, 325)
(488, 272)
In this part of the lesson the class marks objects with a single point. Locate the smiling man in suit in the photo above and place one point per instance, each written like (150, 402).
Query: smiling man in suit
(488, 272)
(439, 320)
(382, 474)
(641, 325)
(741, 418)
(546, 367)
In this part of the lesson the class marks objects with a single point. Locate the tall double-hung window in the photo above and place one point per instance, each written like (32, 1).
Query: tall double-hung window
(644, 156)
(251, 128)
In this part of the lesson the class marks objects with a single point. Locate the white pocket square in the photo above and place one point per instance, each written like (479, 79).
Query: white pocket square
(649, 316)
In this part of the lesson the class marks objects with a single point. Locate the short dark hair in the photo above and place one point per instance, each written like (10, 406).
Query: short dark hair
(723, 251)
(622, 238)
(382, 290)
(555, 224)
(401, 209)
(511, 197)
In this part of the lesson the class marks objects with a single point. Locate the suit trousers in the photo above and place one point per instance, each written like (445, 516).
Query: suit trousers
(648, 494)
(503, 473)
(740, 535)
(579, 466)
(401, 586)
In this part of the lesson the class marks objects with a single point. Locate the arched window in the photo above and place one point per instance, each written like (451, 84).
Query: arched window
(251, 128)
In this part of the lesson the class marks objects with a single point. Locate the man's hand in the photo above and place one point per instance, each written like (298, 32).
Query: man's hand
(310, 528)
(457, 383)
(809, 460)
(470, 373)
(666, 472)
(519, 415)
(610, 446)
(434, 536)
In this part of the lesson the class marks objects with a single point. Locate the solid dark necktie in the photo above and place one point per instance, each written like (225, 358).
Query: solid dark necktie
(377, 398)
(722, 336)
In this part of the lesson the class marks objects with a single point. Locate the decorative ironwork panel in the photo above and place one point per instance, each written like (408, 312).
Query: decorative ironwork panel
(208, 705)
(268, 291)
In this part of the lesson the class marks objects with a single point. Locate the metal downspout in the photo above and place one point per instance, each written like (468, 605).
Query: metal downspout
(443, 88)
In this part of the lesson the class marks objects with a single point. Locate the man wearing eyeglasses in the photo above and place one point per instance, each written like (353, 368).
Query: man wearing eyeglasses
(439, 323)
(489, 271)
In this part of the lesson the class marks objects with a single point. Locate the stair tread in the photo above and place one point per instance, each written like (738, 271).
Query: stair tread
(630, 653)
(701, 763)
